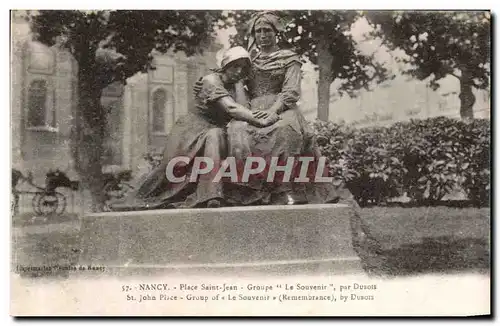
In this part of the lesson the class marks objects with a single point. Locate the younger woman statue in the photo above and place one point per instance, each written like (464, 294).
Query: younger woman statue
(200, 133)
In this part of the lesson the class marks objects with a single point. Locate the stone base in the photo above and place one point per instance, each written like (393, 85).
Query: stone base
(238, 237)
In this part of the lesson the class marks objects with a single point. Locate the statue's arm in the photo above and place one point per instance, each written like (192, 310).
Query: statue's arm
(241, 94)
(290, 91)
(214, 93)
(239, 112)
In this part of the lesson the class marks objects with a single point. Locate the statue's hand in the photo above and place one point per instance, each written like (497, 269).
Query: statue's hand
(271, 119)
(260, 114)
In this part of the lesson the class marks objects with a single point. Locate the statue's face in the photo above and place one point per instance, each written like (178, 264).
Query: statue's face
(236, 70)
(265, 35)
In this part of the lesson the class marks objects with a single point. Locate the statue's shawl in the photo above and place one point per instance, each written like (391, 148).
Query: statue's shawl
(276, 60)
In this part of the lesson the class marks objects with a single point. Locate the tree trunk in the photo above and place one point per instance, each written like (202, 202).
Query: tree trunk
(325, 60)
(467, 98)
(90, 124)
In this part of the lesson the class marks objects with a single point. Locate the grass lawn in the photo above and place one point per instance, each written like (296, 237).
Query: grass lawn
(430, 239)
(394, 226)
(32, 219)
(44, 241)
(52, 249)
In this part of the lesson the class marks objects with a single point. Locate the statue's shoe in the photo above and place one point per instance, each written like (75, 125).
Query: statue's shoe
(214, 203)
(288, 199)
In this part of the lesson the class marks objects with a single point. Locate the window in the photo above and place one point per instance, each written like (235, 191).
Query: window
(159, 104)
(163, 115)
(37, 103)
(41, 111)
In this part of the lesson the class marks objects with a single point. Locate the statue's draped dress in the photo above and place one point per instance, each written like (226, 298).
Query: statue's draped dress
(277, 76)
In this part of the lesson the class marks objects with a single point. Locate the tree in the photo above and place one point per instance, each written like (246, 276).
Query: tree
(111, 46)
(323, 37)
(440, 44)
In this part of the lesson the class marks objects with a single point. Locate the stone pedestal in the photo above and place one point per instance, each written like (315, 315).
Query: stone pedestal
(239, 237)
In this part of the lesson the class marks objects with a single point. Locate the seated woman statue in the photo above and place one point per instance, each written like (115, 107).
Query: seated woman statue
(273, 88)
(200, 133)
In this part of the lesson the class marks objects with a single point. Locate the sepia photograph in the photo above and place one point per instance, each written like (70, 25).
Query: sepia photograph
(250, 162)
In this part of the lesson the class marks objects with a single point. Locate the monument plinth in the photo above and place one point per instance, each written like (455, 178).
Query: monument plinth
(222, 237)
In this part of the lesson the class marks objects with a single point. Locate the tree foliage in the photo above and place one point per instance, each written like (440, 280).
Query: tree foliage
(440, 44)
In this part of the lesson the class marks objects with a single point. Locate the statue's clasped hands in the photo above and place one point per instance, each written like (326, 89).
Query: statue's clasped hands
(268, 118)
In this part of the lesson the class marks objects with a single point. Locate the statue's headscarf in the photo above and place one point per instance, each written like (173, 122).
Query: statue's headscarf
(268, 17)
(279, 59)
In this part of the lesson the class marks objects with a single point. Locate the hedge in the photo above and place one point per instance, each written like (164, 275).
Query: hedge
(424, 159)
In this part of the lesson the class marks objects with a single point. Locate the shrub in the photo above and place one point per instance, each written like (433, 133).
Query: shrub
(361, 159)
(433, 151)
(424, 158)
(476, 168)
